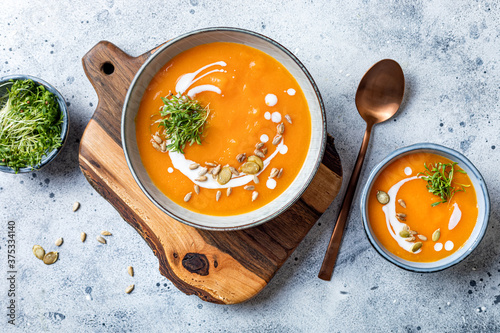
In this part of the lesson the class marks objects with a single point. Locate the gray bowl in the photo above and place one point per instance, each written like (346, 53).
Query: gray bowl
(260, 42)
(483, 202)
(50, 156)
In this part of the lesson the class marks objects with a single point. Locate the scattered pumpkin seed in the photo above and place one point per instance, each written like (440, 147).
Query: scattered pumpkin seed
(211, 164)
(256, 179)
(403, 215)
(50, 258)
(264, 150)
(436, 235)
(274, 172)
(129, 289)
(403, 233)
(280, 128)
(241, 157)
(257, 160)
(255, 194)
(259, 145)
(201, 179)
(38, 251)
(259, 153)
(250, 168)
(234, 171)
(83, 237)
(130, 270)
(422, 237)
(196, 189)
(59, 241)
(193, 166)
(277, 139)
(280, 173)
(402, 203)
(101, 240)
(76, 206)
(187, 197)
(156, 146)
(406, 227)
(410, 239)
(163, 146)
(218, 195)
(203, 171)
(413, 232)
(249, 187)
(106, 233)
(416, 246)
(229, 191)
(216, 170)
(157, 139)
(224, 176)
(383, 197)
(287, 117)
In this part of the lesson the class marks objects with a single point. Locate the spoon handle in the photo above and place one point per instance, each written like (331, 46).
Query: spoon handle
(326, 271)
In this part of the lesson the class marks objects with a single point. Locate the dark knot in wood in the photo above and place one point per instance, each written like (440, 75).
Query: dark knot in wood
(196, 263)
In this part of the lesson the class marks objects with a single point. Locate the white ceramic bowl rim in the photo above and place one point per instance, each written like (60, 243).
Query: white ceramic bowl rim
(252, 218)
(483, 205)
(64, 127)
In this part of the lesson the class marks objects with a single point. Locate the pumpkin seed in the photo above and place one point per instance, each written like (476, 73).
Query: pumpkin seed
(403, 233)
(218, 195)
(224, 176)
(259, 145)
(59, 242)
(130, 270)
(101, 240)
(422, 237)
(83, 237)
(280, 173)
(203, 171)
(157, 139)
(277, 139)
(229, 191)
(188, 196)
(76, 206)
(156, 146)
(264, 150)
(255, 179)
(50, 258)
(280, 128)
(193, 166)
(406, 227)
(257, 160)
(255, 194)
(413, 232)
(249, 187)
(416, 246)
(402, 203)
(436, 235)
(234, 171)
(403, 215)
(210, 164)
(163, 146)
(241, 157)
(196, 189)
(287, 117)
(274, 172)
(129, 289)
(383, 197)
(106, 233)
(411, 239)
(259, 153)
(38, 251)
(201, 179)
(250, 168)
(216, 170)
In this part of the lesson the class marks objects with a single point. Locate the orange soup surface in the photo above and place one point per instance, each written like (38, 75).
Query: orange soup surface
(455, 219)
(249, 95)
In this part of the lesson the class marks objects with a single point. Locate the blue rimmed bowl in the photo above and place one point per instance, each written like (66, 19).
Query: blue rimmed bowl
(483, 202)
(50, 156)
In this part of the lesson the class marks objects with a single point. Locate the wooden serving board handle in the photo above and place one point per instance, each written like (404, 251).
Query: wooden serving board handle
(220, 267)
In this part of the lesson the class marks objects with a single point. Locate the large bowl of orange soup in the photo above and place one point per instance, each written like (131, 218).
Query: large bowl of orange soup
(223, 128)
(425, 207)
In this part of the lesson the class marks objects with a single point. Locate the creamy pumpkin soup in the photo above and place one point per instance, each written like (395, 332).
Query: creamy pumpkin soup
(422, 207)
(223, 129)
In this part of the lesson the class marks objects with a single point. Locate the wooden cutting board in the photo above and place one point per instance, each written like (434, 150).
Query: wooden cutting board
(220, 267)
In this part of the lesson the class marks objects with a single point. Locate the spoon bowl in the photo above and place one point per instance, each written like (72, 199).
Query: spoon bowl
(378, 98)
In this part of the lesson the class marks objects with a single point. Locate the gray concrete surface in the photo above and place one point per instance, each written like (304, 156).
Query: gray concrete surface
(449, 51)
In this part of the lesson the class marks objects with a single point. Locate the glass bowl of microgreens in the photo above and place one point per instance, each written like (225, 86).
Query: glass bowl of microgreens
(34, 123)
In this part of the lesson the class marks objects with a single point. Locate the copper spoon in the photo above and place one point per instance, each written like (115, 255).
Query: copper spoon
(378, 98)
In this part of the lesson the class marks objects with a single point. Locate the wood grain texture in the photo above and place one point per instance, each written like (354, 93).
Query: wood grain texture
(220, 267)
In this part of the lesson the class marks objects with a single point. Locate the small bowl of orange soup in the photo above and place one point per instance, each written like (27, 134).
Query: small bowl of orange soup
(425, 207)
(223, 128)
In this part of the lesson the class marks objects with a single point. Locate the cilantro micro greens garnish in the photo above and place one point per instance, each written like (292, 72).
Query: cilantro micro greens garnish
(439, 180)
(30, 124)
(183, 121)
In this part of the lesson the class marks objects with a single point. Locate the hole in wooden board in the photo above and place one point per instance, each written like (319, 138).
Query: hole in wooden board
(108, 68)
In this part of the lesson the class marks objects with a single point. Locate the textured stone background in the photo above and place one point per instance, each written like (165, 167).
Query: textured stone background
(449, 51)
